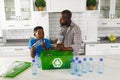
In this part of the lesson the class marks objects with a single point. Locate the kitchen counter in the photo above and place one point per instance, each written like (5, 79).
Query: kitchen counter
(102, 42)
(111, 70)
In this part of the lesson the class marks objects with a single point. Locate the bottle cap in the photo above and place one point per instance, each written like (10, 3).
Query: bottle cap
(73, 60)
(33, 60)
(79, 61)
(76, 58)
(84, 59)
(101, 59)
(91, 59)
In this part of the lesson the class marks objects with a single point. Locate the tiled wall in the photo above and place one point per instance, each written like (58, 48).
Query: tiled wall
(54, 27)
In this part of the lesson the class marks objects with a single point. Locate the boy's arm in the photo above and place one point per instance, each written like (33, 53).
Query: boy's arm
(32, 51)
(32, 48)
(47, 44)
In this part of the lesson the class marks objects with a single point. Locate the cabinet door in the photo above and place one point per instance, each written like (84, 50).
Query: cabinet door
(91, 49)
(117, 9)
(9, 8)
(90, 33)
(17, 9)
(112, 9)
(104, 8)
(14, 50)
(25, 9)
(59, 5)
(108, 8)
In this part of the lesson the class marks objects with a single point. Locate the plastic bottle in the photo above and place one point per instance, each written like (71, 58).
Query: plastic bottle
(38, 61)
(84, 65)
(72, 67)
(101, 66)
(90, 68)
(79, 67)
(34, 68)
(76, 62)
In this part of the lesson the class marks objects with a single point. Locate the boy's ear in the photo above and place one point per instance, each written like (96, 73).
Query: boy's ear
(34, 34)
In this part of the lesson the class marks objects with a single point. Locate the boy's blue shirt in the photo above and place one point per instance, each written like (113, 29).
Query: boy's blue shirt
(39, 49)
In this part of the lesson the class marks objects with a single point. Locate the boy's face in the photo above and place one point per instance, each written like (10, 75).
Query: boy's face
(39, 34)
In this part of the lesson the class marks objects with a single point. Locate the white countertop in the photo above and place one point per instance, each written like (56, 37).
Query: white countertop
(111, 70)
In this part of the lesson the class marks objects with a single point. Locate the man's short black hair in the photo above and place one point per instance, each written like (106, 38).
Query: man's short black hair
(68, 13)
(37, 27)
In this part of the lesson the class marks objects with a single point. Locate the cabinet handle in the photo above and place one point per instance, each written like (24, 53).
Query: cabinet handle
(92, 45)
(26, 25)
(20, 49)
(85, 37)
(11, 25)
(118, 23)
(104, 23)
(114, 46)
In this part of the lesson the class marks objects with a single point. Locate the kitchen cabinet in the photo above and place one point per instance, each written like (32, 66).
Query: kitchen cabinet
(60, 5)
(89, 25)
(109, 23)
(102, 48)
(16, 14)
(109, 13)
(109, 9)
(14, 50)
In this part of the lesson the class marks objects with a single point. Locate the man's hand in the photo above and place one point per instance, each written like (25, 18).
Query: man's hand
(60, 46)
(63, 48)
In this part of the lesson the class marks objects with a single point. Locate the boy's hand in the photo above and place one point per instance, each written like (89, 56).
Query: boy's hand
(43, 45)
(33, 49)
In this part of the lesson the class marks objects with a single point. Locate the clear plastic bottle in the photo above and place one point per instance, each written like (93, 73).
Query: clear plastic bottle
(34, 68)
(101, 66)
(76, 62)
(79, 68)
(91, 66)
(72, 67)
(38, 61)
(84, 65)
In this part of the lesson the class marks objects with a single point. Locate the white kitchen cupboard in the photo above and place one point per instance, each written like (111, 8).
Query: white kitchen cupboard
(102, 48)
(60, 5)
(0, 21)
(14, 51)
(109, 13)
(16, 14)
(109, 8)
(89, 25)
(109, 23)
(0, 28)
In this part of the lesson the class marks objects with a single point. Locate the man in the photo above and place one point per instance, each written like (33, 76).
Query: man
(71, 33)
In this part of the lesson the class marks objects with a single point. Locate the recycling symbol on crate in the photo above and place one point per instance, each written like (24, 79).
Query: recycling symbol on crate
(57, 62)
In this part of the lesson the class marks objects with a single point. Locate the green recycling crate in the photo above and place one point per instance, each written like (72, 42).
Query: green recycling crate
(55, 59)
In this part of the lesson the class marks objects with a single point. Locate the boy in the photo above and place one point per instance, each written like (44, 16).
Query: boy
(39, 43)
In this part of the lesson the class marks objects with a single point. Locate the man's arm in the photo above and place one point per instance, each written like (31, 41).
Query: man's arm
(62, 47)
(77, 40)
